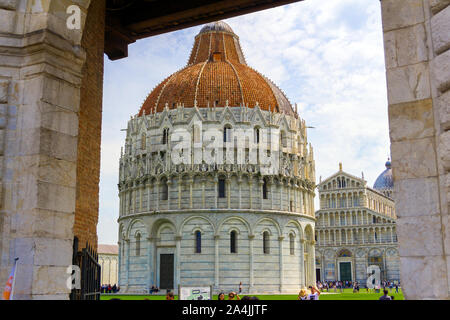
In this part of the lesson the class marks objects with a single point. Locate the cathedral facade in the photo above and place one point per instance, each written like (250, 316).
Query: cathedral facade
(356, 228)
(216, 180)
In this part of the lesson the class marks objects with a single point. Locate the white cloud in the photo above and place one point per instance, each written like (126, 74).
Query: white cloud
(326, 55)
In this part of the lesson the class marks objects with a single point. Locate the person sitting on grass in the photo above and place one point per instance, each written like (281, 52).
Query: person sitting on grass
(221, 296)
(169, 295)
(302, 295)
(233, 295)
(385, 296)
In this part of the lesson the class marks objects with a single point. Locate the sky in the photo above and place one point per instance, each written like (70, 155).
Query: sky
(326, 55)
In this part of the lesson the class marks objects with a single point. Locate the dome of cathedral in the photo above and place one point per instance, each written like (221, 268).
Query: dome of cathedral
(216, 26)
(217, 75)
(385, 180)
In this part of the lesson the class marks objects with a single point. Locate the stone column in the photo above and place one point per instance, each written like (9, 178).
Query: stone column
(280, 241)
(271, 193)
(150, 257)
(169, 192)
(250, 186)
(148, 196)
(288, 186)
(302, 263)
(180, 181)
(216, 261)
(240, 190)
(313, 262)
(261, 183)
(127, 265)
(252, 281)
(191, 183)
(228, 180)
(417, 42)
(203, 193)
(177, 261)
(216, 193)
(158, 187)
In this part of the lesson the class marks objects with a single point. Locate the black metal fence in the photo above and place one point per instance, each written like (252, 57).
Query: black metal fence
(90, 272)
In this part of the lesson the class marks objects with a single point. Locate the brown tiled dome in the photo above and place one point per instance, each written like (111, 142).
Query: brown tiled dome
(216, 74)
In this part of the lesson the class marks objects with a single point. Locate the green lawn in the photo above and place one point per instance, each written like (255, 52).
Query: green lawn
(346, 295)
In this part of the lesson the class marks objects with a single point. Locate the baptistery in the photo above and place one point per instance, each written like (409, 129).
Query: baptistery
(216, 180)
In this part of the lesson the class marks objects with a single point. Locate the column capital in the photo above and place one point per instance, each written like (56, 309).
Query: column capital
(280, 238)
(178, 238)
(251, 236)
(216, 237)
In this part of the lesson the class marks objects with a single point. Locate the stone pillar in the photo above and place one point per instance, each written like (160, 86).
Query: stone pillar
(127, 263)
(180, 181)
(191, 183)
(158, 187)
(313, 262)
(240, 190)
(280, 241)
(216, 261)
(203, 193)
(302, 263)
(41, 103)
(169, 192)
(417, 42)
(148, 196)
(150, 266)
(216, 193)
(228, 180)
(250, 186)
(261, 183)
(252, 281)
(177, 261)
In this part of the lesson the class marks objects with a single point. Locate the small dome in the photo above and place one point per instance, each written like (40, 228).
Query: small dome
(216, 26)
(385, 182)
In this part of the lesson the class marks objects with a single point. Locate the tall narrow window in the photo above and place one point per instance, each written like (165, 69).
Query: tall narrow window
(227, 134)
(221, 188)
(264, 189)
(291, 244)
(138, 244)
(165, 138)
(283, 139)
(164, 190)
(198, 242)
(143, 141)
(233, 242)
(266, 247)
(256, 132)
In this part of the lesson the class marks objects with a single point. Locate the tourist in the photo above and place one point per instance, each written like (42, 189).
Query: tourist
(302, 295)
(315, 293)
(385, 296)
(396, 288)
(240, 287)
(233, 295)
(169, 295)
(221, 296)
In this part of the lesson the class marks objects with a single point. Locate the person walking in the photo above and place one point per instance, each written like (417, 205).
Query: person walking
(240, 287)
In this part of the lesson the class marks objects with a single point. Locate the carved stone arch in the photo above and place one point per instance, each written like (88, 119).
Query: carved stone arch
(180, 230)
(156, 226)
(246, 224)
(309, 230)
(132, 223)
(275, 223)
(298, 226)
